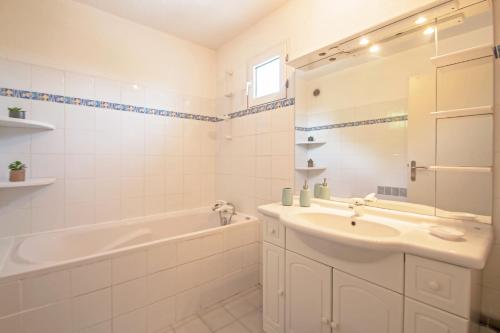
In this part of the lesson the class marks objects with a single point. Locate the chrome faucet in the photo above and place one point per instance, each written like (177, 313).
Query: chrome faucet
(224, 207)
(357, 204)
(357, 207)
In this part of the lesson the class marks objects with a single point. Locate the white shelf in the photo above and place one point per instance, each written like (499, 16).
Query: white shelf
(310, 143)
(310, 169)
(24, 123)
(28, 183)
(479, 110)
(463, 55)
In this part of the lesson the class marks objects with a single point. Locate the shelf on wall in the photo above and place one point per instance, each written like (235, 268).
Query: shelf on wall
(28, 183)
(24, 123)
(310, 169)
(479, 110)
(310, 143)
(463, 55)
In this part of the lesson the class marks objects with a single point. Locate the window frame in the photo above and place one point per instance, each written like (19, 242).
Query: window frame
(276, 52)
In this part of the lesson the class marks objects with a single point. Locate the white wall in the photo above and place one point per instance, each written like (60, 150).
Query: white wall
(108, 164)
(491, 276)
(67, 35)
(306, 26)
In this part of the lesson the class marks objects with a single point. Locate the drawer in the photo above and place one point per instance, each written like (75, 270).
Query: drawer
(274, 231)
(421, 318)
(442, 285)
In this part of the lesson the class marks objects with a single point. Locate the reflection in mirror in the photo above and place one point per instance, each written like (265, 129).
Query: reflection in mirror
(404, 112)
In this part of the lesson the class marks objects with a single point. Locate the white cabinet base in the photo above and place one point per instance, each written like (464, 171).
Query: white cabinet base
(421, 318)
(273, 311)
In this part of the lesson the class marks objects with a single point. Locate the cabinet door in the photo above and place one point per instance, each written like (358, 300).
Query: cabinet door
(308, 295)
(273, 312)
(360, 306)
(421, 318)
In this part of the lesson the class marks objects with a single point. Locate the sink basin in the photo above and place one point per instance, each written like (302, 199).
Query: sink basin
(347, 225)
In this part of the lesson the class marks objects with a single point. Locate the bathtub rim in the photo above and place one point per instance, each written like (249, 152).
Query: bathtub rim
(48, 268)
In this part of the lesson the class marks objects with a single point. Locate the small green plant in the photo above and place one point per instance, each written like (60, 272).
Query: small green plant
(16, 109)
(17, 165)
(16, 112)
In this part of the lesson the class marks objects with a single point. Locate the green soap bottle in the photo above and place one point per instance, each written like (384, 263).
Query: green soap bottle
(324, 191)
(305, 196)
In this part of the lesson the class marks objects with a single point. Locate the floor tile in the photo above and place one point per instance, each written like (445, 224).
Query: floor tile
(255, 298)
(217, 318)
(235, 327)
(239, 307)
(253, 321)
(194, 326)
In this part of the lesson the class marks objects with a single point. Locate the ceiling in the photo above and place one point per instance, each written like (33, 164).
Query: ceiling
(206, 22)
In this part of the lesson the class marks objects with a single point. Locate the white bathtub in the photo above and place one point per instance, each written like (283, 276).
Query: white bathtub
(55, 248)
(140, 269)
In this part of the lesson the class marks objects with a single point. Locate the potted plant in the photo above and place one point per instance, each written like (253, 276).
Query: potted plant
(17, 113)
(17, 171)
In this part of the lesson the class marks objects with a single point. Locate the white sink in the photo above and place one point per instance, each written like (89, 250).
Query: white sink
(389, 231)
(340, 226)
(347, 225)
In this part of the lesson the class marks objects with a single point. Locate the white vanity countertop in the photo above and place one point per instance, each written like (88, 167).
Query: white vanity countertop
(470, 251)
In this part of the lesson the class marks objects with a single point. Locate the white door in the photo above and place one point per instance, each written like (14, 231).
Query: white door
(360, 306)
(273, 312)
(308, 295)
(421, 318)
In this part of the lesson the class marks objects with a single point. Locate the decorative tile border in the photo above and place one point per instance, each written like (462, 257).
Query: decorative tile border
(278, 104)
(38, 96)
(355, 123)
(101, 104)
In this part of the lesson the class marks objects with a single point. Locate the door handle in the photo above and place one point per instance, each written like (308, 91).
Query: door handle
(413, 170)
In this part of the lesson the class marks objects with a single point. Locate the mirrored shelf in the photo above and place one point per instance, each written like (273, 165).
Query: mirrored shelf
(25, 123)
(27, 183)
(309, 143)
(310, 169)
(476, 52)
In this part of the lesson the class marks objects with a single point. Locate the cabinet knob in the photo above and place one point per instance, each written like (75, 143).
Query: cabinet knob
(334, 325)
(433, 285)
(325, 321)
(273, 231)
(281, 292)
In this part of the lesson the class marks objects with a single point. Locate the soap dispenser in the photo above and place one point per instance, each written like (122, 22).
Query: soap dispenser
(324, 191)
(305, 196)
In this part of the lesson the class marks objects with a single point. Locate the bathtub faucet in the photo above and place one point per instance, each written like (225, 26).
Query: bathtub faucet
(224, 207)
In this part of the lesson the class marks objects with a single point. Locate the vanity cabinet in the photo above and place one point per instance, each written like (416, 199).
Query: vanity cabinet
(308, 295)
(360, 306)
(273, 276)
(313, 287)
(421, 318)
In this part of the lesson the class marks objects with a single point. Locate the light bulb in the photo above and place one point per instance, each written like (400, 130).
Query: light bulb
(429, 31)
(375, 48)
(421, 20)
(364, 41)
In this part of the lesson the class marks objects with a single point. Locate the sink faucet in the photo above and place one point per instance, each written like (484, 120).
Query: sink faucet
(357, 207)
(357, 204)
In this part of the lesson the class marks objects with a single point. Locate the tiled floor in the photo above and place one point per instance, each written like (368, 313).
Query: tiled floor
(239, 314)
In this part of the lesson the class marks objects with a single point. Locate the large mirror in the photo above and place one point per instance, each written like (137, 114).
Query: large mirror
(403, 111)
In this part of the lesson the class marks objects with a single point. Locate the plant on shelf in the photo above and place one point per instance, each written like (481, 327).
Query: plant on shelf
(17, 171)
(17, 113)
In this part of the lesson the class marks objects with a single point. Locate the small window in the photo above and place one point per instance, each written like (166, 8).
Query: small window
(266, 78)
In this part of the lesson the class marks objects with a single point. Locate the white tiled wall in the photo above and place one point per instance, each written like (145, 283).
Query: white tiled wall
(145, 291)
(491, 274)
(253, 166)
(108, 164)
